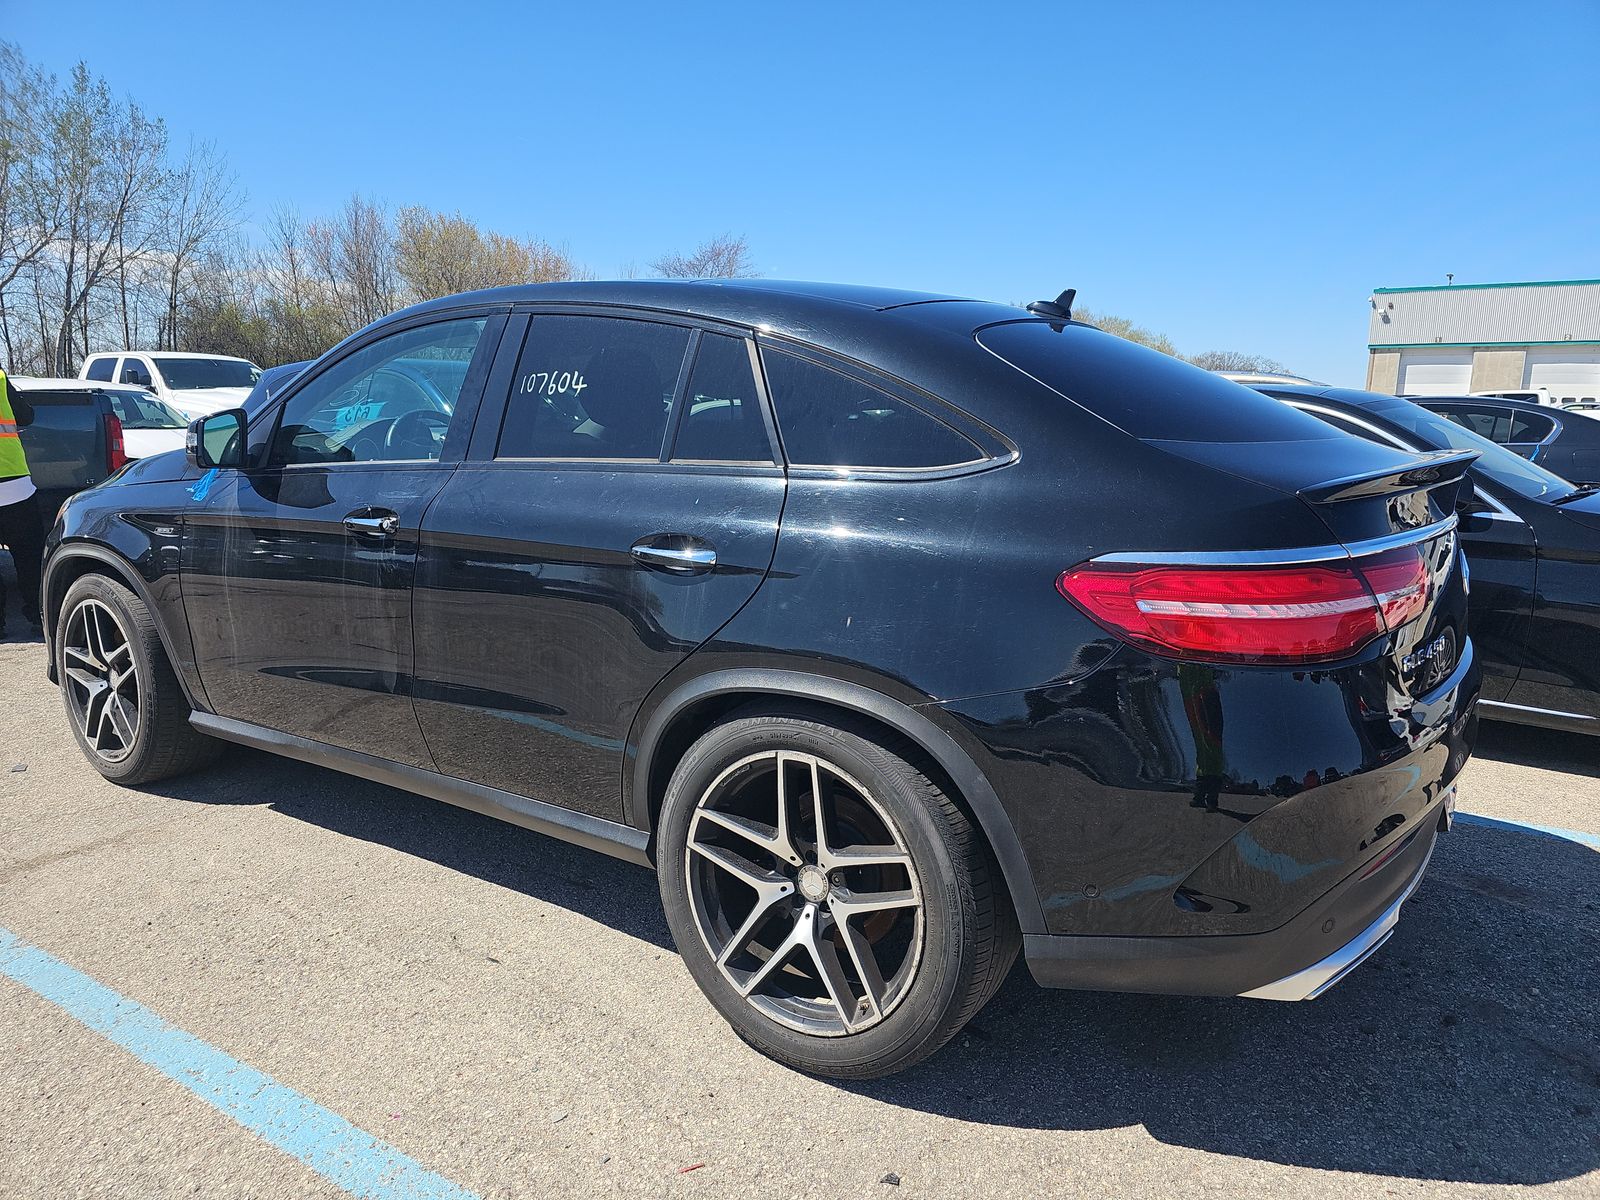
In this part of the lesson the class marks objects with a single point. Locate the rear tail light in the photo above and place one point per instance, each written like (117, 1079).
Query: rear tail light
(1301, 613)
(116, 452)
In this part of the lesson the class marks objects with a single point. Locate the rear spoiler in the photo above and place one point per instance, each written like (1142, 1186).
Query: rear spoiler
(1425, 473)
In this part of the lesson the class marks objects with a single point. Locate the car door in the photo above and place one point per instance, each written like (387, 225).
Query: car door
(619, 505)
(1561, 675)
(298, 571)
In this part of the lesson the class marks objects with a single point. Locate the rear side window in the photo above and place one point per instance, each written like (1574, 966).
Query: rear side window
(722, 419)
(1144, 392)
(828, 419)
(592, 387)
(1531, 427)
(101, 369)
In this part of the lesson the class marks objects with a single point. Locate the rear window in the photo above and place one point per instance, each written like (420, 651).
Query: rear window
(141, 410)
(1144, 392)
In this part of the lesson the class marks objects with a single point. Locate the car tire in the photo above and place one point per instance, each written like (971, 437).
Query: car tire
(856, 991)
(122, 698)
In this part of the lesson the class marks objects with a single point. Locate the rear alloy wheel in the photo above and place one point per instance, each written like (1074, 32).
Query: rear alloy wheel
(837, 907)
(804, 893)
(127, 709)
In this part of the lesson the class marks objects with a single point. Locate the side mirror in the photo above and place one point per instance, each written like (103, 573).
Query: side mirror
(217, 440)
(1470, 504)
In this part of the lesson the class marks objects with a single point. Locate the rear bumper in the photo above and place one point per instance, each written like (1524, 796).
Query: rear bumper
(1297, 961)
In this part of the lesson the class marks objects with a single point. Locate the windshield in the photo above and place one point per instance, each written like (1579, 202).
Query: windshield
(187, 374)
(141, 410)
(1509, 470)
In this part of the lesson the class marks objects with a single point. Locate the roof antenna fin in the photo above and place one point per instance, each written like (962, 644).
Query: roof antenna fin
(1059, 309)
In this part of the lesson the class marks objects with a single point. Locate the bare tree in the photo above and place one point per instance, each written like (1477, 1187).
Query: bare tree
(1238, 360)
(109, 168)
(722, 257)
(201, 206)
(1124, 328)
(30, 209)
(354, 257)
(439, 254)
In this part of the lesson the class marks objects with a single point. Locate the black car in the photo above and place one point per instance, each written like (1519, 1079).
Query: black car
(1563, 442)
(1533, 543)
(897, 631)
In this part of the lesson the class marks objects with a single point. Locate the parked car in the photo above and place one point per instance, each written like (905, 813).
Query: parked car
(1538, 395)
(194, 384)
(1533, 543)
(74, 441)
(897, 631)
(268, 385)
(149, 426)
(1563, 442)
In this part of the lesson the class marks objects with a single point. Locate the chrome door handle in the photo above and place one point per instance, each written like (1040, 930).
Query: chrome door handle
(384, 525)
(685, 559)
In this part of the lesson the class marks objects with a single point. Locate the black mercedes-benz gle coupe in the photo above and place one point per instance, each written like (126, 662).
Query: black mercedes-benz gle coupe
(898, 632)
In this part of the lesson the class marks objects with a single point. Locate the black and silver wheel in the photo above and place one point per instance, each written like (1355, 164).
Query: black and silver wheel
(837, 907)
(101, 682)
(126, 707)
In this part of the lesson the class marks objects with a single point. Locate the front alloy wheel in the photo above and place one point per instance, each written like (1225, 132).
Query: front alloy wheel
(127, 708)
(101, 680)
(804, 893)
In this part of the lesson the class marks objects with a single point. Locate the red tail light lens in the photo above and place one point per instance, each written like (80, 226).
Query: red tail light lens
(116, 452)
(1313, 612)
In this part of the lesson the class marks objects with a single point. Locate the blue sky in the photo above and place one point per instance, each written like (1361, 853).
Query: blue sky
(1235, 176)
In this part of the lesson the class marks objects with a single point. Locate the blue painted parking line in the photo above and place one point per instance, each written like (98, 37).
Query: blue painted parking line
(1591, 840)
(327, 1143)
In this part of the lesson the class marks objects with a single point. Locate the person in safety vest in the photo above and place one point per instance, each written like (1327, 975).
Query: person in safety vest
(21, 528)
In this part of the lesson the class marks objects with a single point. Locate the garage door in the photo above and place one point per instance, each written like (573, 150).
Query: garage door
(1435, 372)
(1566, 374)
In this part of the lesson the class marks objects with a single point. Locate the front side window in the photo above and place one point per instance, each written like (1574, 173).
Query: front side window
(390, 401)
(134, 372)
(592, 387)
(101, 369)
(722, 419)
(829, 419)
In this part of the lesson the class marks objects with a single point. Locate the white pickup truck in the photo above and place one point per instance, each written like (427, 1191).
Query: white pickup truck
(197, 385)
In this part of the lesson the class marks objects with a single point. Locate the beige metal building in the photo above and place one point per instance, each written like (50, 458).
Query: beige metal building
(1444, 341)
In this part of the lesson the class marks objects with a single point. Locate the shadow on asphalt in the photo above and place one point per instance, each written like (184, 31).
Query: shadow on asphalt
(1465, 1050)
(1530, 746)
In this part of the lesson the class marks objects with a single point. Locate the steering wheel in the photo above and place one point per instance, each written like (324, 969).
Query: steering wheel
(415, 429)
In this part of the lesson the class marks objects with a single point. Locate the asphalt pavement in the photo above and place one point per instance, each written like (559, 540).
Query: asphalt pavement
(506, 1013)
